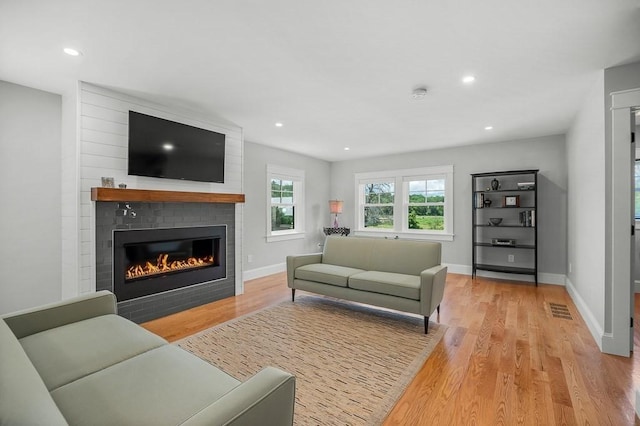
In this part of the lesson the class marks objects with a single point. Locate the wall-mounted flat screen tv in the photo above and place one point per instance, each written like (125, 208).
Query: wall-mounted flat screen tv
(166, 149)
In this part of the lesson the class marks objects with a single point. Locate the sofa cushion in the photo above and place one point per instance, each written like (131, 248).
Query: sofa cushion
(164, 386)
(326, 273)
(379, 254)
(67, 353)
(401, 285)
(24, 399)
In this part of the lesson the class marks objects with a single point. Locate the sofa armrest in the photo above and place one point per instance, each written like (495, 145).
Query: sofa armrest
(31, 321)
(432, 282)
(296, 261)
(24, 398)
(267, 398)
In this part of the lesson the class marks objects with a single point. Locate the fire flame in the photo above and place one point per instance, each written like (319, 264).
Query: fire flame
(164, 265)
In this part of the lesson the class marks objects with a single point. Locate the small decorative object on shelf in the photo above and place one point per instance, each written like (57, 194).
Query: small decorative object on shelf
(503, 242)
(511, 201)
(122, 185)
(337, 231)
(108, 182)
(495, 221)
(526, 185)
(505, 232)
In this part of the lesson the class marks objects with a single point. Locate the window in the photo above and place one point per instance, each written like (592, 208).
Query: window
(285, 209)
(425, 206)
(378, 205)
(412, 203)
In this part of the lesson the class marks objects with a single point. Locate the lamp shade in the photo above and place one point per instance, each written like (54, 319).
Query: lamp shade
(335, 206)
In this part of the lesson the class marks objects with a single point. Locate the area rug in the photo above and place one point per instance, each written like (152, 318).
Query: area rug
(351, 362)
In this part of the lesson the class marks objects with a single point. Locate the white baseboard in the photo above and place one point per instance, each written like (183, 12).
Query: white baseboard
(458, 269)
(637, 286)
(543, 277)
(252, 274)
(592, 324)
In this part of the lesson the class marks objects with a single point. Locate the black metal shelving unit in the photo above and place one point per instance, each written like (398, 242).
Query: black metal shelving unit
(513, 197)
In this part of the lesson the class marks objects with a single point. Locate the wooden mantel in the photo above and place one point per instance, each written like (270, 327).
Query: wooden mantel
(153, 196)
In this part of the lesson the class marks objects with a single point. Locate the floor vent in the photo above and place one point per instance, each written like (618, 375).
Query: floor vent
(560, 311)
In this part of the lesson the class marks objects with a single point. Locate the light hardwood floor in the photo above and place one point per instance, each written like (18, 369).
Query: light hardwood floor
(504, 360)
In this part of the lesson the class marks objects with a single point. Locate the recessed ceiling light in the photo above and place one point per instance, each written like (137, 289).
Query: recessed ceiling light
(167, 147)
(72, 52)
(346, 148)
(419, 93)
(488, 128)
(279, 124)
(468, 79)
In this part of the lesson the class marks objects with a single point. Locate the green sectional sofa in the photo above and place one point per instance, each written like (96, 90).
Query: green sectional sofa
(404, 275)
(78, 363)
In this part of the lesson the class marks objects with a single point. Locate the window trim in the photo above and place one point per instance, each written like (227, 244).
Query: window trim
(298, 178)
(401, 177)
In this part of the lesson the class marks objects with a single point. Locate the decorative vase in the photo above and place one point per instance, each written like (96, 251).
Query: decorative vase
(495, 184)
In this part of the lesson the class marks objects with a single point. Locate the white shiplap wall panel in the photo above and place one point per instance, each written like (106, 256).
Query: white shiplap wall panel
(104, 126)
(103, 116)
(103, 150)
(89, 135)
(104, 162)
(102, 113)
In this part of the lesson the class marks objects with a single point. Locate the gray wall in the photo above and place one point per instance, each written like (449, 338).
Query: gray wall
(586, 230)
(30, 217)
(547, 154)
(317, 195)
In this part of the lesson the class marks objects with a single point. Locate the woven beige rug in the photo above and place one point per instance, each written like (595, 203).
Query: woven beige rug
(351, 362)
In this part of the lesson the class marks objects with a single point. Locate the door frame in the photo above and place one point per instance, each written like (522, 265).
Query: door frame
(619, 310)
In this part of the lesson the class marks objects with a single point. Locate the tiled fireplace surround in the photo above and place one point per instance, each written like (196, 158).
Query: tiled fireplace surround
(114, 215)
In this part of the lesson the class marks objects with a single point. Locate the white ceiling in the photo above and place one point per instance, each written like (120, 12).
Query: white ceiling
(336, 73)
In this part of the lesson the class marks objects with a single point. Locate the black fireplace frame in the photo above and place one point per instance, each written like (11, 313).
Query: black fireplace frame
(163, 283)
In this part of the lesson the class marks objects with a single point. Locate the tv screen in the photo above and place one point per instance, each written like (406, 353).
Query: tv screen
(166, 149)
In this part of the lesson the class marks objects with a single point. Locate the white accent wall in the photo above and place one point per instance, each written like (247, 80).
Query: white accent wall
(102, 123)
(30, 190)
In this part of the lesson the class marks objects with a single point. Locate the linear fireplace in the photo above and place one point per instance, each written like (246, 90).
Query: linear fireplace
(150, 261)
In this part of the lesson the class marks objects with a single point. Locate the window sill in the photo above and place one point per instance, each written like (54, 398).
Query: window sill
(285, 237)
(405, 235)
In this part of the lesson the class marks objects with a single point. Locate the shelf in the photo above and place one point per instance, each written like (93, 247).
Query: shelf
(502, 190)
(505, 226)
(517, 246)
(500, 207)
(506, 173)
(523, 202)
(153, 196)
(507, 269)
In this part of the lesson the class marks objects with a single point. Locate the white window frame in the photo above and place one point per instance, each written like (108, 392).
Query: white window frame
(401, 179)
(297, 177)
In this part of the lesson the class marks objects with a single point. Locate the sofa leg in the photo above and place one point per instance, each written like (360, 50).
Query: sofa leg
(426, 325)
(293, 294)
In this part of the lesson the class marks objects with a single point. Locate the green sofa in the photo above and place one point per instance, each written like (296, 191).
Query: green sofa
(405, 275)
(78, 363)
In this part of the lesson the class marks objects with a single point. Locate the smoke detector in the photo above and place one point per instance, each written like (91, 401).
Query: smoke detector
(419, 93)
